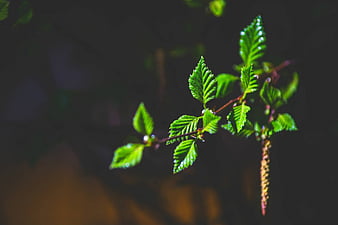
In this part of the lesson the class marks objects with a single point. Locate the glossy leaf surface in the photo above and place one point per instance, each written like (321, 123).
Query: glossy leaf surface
(270, 95)
(142, 121)
(237, 118)
(252, 41)
(127, 156)
(202, 83)
(183, 125)
(284, 122)
(248, 80)
(210, 121)
(185, 155)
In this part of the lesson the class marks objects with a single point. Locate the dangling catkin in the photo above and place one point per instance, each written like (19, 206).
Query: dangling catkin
(266, 145)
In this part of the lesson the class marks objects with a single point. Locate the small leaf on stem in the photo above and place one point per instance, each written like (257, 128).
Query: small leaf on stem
(127, 156)
(248, 80)
(142, 121)
(185, 155)
(252, 41)
(237, 118)
(183, 125)
(284, 122)
(202, 83)
(210, 121)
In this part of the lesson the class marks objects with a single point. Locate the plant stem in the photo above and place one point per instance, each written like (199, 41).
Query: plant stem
(160, 141)
(274, 73)
(228, 103)
(283, 65)
(178, 136)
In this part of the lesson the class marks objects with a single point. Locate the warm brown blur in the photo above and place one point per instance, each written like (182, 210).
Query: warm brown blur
(56, 191)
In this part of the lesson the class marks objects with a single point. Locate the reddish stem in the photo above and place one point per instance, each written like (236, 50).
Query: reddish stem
(178, 136)
(228, 103)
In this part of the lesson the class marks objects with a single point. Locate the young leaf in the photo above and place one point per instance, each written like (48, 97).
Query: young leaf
(3, 9)
(202, 83)
(183, 125)
(185, 155)
(291, 88)
(142, 121)
(252, 41)
(248, 80)
(284, 122)
(127, 156)
(210, 122)
(225, 82)
(247, 130)
(270, 95)
(217, 7)
(25, 12)
(237, 118)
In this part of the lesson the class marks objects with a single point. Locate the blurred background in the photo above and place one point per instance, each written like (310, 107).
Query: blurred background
(73, 73)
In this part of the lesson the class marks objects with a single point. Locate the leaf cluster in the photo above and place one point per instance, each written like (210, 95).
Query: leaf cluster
(131, 154)
(256, 89)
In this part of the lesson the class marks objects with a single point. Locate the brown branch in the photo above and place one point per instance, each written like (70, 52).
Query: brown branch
(283, 65)
(228, 103)
(178, 136)
(274, 73)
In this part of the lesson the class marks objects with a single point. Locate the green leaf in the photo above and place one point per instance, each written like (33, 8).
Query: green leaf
(270, 95)
(185, 155)
(202, 83)
(237, 118)
(183, 125)
(142, 121)
(252, 41)
(210, 121)
(291, 88)
(193, 3)
(248, 80)
(246, 131)
(225, 83)
(3, 9)
(127, 156)
(25, 12)
(284, 122)
(217, 7)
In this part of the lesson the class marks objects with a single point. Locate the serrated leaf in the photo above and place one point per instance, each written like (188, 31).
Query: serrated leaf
(202, 83)
(284, 122)
(127, 156)
(252, 41)
(210, 121)
(3, 9)
(237, 118)
(142, 121)
(246, 131)
(248, 80)
(225, 83)
(183, 125)
(270, 95)
(185, 155)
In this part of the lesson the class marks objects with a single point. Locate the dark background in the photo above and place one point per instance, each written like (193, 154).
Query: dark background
(72, 78)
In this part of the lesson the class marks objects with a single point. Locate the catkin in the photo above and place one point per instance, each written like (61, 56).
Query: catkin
(266, 145)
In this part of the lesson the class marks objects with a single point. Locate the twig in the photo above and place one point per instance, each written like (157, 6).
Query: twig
(228, 103)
